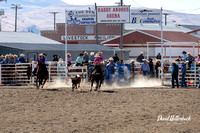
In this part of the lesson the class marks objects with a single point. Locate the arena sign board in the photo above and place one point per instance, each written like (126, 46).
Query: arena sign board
(83, 37)
(145, 16)
(81, 17)
(113, 14)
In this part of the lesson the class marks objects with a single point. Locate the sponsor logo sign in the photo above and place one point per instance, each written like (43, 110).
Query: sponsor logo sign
(82, 17)
(145, 16)
(113, 14)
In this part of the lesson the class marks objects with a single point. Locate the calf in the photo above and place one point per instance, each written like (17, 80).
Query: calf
(76, 81)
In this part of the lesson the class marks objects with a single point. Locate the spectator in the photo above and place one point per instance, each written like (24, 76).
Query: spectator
(145, 68)
(101, 56)
(92, 56)
(190, 58)
(111, 66)
(86, 58)
(183, 71)
(55, 57)
(16, 60)
(140, 58)
(198, 57)
(69, 59)
(79, 60)
(157, 66)
(12, 60)
(7, 60)
(116, 58)
(132, 65)
(184, 56)
(151, 68)
(1, 59)
(175, 74)
(158, 56)
(22, 59)
(179, 58)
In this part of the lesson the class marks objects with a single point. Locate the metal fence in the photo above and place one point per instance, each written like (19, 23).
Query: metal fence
(192, 76)
(17, 74)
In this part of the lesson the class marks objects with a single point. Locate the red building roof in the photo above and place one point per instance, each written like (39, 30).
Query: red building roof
(144, 36)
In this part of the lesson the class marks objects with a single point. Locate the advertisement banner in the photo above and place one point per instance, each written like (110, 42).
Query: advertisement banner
(113, 14)
(145, 16)
(82, 17)
(85, 37)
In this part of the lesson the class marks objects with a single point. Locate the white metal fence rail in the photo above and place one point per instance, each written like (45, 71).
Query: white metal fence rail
(17, 74)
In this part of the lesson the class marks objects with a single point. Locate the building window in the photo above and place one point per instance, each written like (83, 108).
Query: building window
(89, 29)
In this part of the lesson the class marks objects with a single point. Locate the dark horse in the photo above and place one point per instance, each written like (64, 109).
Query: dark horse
(42, 75)
(97, 76)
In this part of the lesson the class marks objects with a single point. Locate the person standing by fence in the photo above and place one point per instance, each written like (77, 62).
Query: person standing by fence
(145, 68)
(175, 74)
(79, 60)
(183, 71)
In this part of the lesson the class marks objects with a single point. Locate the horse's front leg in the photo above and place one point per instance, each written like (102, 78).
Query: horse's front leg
(92, 81)
(37, 83)
(97, 85)
(44, 82)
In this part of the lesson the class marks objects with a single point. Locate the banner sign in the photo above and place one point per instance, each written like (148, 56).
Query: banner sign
(83, 37)
(145, 16)
(113, 14)
(82, 17)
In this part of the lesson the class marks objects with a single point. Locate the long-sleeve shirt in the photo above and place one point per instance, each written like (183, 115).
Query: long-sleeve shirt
(42, 60)
(101, 57)
(145, 67)
(79, 60)
(69, 59)
(184, 57)
(140, 58)
(183, 70)
(22, 60)
(190, 58)
(97, 61)
(86, 58)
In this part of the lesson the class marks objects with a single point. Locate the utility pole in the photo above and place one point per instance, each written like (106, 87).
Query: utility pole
(54, 14)
(16, 7)
(121, 38)
(166, 17)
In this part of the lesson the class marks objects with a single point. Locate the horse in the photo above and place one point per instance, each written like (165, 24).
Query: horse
(41, 75)
(97, 76)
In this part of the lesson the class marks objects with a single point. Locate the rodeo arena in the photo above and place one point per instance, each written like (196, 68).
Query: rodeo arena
(112, 69)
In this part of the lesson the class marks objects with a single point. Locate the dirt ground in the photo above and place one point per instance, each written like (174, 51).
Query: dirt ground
(124, 110)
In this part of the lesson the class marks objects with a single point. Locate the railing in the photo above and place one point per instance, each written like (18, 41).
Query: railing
(17, 74)
(192, 76)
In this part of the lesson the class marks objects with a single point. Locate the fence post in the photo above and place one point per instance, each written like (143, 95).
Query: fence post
(49, 73)
(0, 74)
(195, 72)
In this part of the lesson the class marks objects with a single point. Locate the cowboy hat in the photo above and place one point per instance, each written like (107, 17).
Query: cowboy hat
(97, 56)
(69, 54)
(92, 53)
(22, 55)
(85, 52)
(100, 52)
(110, 58)
(189, 53)
(15, 55)
(173, 62)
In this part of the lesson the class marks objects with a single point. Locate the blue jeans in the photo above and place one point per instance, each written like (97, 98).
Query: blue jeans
(144, 73)
(151, 73)
(183, 83)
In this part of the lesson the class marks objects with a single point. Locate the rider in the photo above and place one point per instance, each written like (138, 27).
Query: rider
(41, 60)
(97, 62)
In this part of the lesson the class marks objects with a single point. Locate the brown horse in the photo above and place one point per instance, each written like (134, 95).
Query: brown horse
(42, 75)
(98, 77)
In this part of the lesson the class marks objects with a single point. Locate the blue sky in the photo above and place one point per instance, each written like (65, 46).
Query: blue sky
(187, 6)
